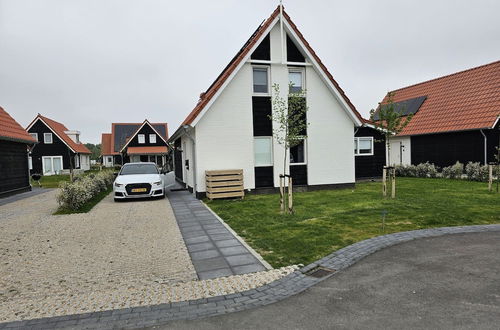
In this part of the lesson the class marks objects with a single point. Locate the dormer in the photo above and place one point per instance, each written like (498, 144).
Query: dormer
(74, 135)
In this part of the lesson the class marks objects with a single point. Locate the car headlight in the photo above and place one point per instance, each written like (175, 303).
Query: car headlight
(118, 185)
(157, 183)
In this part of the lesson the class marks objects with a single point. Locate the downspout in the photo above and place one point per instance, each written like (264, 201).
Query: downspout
(185, 127)
(485, 147)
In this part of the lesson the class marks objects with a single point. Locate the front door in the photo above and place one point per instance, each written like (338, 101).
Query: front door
(144, 158)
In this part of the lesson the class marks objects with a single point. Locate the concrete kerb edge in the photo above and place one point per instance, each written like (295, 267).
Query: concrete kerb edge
(278, 290)
(239, 238)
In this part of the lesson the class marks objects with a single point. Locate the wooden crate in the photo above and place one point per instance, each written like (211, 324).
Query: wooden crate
(224, 184)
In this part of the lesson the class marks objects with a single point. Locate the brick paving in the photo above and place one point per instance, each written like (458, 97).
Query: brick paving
(213, 248)
(285, 287)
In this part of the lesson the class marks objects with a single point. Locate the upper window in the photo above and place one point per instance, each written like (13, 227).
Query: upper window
(141, 138)
(363, 146)
(263, 151)
(152, 138)
(298, 153)
(296, 78)
(261, 80)
(34, 136)
(47, 138)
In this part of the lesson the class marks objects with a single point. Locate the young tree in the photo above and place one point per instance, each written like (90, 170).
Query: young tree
(390, 121)
(290, 129)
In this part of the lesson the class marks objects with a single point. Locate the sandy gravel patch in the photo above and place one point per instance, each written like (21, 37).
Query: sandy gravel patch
(115, 248)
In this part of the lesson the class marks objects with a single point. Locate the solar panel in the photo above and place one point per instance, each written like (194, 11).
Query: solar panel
(405, 107)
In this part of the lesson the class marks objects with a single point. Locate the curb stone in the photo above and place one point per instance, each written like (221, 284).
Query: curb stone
(292, 284)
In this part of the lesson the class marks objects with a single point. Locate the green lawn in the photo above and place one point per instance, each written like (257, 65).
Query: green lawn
(50, 181)
(325, 221)
(87, 206)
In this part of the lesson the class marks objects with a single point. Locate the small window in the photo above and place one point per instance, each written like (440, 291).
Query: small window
(298, 153)
(363, 146)
(47, 138)
(296, 78)
(141, 138)
(30, 162)
(260, 80)
(34, 136)
(110, 159)
(77, 161)
(152, 138)
(263, 151)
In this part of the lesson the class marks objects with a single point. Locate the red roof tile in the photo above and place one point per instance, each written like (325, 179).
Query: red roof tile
(60, 131)
(464, 100)
(106, 145)
(11, 130)
(216, 85)
(154, 150)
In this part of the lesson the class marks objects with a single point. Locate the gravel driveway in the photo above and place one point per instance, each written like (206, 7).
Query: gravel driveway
(50, 264)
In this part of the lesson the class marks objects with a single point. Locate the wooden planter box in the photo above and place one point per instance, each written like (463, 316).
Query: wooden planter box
(224, 184)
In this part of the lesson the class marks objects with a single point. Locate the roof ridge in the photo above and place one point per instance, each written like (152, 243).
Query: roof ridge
(446, 76)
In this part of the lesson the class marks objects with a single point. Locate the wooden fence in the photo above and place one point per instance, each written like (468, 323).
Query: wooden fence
(224, 184)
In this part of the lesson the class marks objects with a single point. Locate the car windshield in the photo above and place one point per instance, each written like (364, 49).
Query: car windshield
(139, 169)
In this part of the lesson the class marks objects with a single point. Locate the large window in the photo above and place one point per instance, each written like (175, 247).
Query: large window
(152, 138)
(263, 151)
(47, 138)
(51, 165)
(296, 78)
(363, 146)
(298, 153)
(34, 136)
(141, 138)
(261, 80)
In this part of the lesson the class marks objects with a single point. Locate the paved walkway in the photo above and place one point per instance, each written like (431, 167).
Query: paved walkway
(449, 282)
(214, 249)
(17, 197)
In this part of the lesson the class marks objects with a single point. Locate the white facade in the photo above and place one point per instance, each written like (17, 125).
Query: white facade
(400, 151)
(107, 161)
(222, 135)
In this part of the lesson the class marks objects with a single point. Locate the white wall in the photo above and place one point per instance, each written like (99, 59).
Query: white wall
(105, 161)
(395, 154)
(330, 135)
(85, 162)
(224, 135)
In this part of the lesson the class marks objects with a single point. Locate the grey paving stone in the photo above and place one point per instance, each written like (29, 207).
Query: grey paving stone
(200, 255)
(200, 246)
(191, 234)
(233, 250)
(210, 264)
(215, 273)
(218, 231)
(242, 259)
(248, 269)
(199, 239)
(221, 237)
(228, 242)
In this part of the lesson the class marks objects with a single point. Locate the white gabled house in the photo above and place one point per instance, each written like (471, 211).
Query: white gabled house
(230, 129)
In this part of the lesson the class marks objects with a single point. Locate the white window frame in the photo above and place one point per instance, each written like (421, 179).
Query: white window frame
(141, 137)
(272, 150)
(152, 137)
(305, 155)
(34, 136)
(52, 161)
(30, 162)
(267, 68)
(303, 73)
(356, 151)
(110, 159)
(77, 160)
(45, 135)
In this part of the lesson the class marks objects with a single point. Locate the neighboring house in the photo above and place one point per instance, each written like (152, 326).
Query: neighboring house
(230, 129)
(14, 166)
(456, 118)
(135, 142)
(369, 151)
(58, 149)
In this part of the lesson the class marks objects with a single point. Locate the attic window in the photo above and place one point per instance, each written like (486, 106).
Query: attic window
(152, 138)
(261, 80)
(47, 138)
(293, 54)
(263, 51)
(141, 138)
(34, 136)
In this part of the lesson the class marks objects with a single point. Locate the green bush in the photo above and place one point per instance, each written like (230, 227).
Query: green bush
(73, 195)
(476, 172)
(453, 172)
(426, 170)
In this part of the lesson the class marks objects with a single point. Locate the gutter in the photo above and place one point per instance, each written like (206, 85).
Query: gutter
(186, 127)
(485, 147)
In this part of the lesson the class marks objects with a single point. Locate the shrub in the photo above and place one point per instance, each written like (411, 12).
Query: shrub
(476, 172)
(426, 170)
(453, 172)
(73, 195)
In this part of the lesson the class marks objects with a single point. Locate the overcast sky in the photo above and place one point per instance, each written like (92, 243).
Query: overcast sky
(89, 63)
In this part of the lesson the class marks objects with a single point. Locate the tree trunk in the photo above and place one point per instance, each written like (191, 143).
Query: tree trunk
(393, 179)
(290, 196)
(384, 181)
